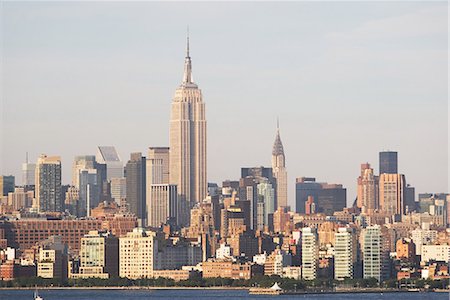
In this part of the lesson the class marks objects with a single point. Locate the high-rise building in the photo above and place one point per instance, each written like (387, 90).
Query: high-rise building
(279, 171)
(367, 190)
(81, 162)
(392, 193)
(135, 182)
(388, 162)
(109, 156)
(28, 173)
(345, 253)
(310, 253)
(162, 205)
(48, 193)
(188, 142)
(7, 185)
(138, 252)
(266, 196)
(89, 191)
(157, 165)
(372, 256)
(118, 189)
(328, 198)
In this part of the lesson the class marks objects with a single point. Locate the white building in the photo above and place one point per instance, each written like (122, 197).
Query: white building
(138, 252)
(344, 253)
(223, 252)
(423, 236)
(118, 189)
(436, 253)
(310, 253)
(372, 252)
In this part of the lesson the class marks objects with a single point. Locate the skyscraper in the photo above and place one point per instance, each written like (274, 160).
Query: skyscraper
(367, 190)
(135, 182)
(279, 170)
(188, 142)
(372, 259)
(48, 184)
(157, 165)
(310, 253)
(392, 193)
(114, 166)
(28, 173)
(345, 253)
(388, 162)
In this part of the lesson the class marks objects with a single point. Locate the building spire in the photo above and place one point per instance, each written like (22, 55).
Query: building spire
(278, 145)
(187, 75)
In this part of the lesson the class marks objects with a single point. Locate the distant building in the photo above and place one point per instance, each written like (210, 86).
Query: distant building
(276, 261)
(372, 256)
(52, 260)
(388, 162)
(157, 166)
(368, 190)
(345, 254)
(392, 193)
(48, 192)
(28, 173)
(109, 156)
(89, 191)
(279, 171)
(118, 189)
(162, 205)
(99, 256)
(310, 253)
(135, 172)
(138, 254)
(7, 185)
(328, 198)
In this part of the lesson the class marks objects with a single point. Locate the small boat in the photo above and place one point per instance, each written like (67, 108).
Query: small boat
(36, 296)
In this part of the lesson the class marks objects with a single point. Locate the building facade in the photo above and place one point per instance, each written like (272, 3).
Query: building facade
(48, 192)
(188, 142)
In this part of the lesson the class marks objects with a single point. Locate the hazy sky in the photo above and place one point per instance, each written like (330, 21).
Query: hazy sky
(346, 80)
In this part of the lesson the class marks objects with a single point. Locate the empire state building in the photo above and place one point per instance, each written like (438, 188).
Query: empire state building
(188, 143)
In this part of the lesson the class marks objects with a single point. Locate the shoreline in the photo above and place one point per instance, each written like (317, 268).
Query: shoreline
(150, 288)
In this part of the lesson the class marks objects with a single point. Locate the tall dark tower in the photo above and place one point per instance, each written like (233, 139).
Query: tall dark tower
(388, 162)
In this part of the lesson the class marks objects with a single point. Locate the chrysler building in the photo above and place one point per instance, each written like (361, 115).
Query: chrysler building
(279, 170)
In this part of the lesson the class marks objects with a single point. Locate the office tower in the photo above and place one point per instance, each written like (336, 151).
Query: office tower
(328, 198)
(345, 253)
(118, 189)
(48, 193)
(72, 201)
(266, 196)
(372, 257)
(305, 187)
(7, 185)
(28, 173)
(388, 162)
(161, 197)
(392, 193)
(258, 172)
(138, 252)
(367, 190)
(99, 255)
(81, 162)
(310, 253)
(19, 199)
(409, 203)
(279, 171)
(188, 142)
(135, 186)
(331, 198)
(114, 166)
(89, 192)
(157, 165)
(162, 207)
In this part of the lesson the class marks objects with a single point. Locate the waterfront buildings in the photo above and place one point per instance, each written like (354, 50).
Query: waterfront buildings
(188, 142)
(372, 256)
(138, 254)
(48, 184)
(310, 253)
(345, 253)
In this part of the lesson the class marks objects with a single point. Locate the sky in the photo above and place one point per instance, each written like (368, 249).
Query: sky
(345, 79)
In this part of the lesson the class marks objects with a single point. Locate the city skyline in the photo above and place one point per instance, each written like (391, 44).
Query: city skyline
(309, 129)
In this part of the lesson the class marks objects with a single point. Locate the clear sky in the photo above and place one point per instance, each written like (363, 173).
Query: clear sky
(346, 79)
